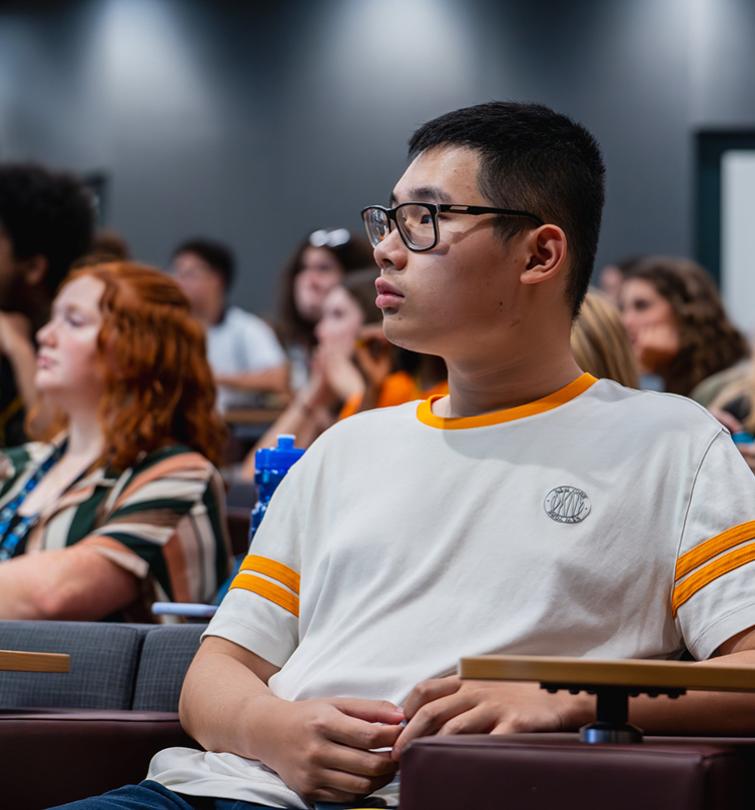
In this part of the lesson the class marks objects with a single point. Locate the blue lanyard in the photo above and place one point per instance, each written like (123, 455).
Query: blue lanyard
(13, 528)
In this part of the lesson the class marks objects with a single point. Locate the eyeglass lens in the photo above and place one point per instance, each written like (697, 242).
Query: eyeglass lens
(377, 225)
(416, 225)
(414, 220)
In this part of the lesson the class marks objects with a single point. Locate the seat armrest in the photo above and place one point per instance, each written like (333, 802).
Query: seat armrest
(57, 756)
(544, 771)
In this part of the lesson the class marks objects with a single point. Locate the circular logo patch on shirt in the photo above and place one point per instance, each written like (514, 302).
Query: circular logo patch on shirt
(567, 505)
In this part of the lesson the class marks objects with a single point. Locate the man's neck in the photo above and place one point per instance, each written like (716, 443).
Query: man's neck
(506, 383)
(213, 313)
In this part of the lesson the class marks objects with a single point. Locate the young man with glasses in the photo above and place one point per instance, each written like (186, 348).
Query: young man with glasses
(533, 510)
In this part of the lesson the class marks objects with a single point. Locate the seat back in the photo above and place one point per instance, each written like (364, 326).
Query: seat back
(104, 662)
(166, 654)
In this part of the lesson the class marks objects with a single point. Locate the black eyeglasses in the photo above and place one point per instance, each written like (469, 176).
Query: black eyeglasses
(417, 223)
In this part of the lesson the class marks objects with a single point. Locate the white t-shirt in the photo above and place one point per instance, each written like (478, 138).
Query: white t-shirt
(241, 342)
(403, 541)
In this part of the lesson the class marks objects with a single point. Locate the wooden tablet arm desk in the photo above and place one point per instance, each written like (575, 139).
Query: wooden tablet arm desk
(613, 683)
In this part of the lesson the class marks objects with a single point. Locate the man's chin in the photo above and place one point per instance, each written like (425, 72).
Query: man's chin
(398, 332)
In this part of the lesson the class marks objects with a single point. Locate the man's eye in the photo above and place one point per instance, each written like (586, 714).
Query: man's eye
(425, 219)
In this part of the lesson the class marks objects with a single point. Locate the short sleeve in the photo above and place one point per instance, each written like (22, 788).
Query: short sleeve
(260, 348)
(169, 523)
(713, 596)
(261, 609)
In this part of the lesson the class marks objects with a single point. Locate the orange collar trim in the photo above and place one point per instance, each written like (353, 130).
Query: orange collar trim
(548, 403)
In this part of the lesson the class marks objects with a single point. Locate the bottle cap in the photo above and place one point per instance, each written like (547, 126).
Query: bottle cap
(743, 437)
(280, 457)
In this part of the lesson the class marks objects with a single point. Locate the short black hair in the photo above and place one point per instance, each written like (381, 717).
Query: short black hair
(46, 213)
(537, 160)
(216, 255)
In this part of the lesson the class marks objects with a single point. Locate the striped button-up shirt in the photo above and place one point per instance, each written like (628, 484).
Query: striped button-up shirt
(162, 519)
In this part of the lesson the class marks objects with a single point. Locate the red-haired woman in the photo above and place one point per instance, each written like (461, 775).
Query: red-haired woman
(124, 506)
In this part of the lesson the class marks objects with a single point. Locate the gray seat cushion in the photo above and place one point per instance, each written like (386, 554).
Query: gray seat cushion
(166, 655)
(104, 660)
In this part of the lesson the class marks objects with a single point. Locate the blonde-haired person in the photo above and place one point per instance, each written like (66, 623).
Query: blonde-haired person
(600, 342)
(124, 506)
(734, 407)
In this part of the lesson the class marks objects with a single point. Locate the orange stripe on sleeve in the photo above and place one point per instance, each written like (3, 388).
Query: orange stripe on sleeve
(706, 574)
(708, 549)
(273, 569)
(268, 590)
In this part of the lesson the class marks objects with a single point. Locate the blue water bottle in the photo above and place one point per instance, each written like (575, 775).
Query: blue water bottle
(270, 467)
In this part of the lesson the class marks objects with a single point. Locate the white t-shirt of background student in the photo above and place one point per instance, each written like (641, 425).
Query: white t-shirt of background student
(241, 342)
(598, 522)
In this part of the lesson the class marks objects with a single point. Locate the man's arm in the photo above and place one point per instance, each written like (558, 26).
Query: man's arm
(451, 706)
(75, 583)
(274, 380)
(320, 748)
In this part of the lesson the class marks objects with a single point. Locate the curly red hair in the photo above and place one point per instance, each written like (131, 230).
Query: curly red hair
(159, 389)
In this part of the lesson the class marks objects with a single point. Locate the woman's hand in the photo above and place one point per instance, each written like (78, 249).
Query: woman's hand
(374, 355)
(656, 346)
(340, 372)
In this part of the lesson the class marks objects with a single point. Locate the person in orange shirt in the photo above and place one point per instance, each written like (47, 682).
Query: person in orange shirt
(354, 368)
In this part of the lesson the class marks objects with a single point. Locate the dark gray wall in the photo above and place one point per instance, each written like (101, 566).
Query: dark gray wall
(256, 122)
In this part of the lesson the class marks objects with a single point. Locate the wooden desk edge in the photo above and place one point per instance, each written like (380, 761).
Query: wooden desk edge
(583, 672)
(20, 661)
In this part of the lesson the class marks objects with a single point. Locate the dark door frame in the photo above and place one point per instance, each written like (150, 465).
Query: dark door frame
(710, 146)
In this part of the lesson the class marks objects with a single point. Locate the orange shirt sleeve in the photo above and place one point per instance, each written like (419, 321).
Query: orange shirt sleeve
(397, 388)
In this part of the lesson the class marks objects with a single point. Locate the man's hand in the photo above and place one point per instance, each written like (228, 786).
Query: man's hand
(452, 706)
(322, 749)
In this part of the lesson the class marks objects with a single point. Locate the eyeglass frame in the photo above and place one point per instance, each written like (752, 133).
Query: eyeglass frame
(439, 208)
(329, 237)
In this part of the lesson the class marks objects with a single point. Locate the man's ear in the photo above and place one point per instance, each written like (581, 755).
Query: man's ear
(546, 247)
(34, 269)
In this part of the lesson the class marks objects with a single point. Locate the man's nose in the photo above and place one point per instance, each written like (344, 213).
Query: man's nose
(391, 253)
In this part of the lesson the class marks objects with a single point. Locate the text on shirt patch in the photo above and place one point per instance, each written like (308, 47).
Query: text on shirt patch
(567, 505)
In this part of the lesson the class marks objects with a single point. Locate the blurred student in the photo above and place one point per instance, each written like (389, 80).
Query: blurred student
(734, 407)
(319, 262)
(242, 349)
(46, 223)
(600, 343)
(612, 277)
(109, 245)
(676, 323)
(124, 506)
(353, 367)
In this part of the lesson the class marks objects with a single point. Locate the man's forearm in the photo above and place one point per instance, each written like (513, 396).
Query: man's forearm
(225, 718)
(713, 713)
